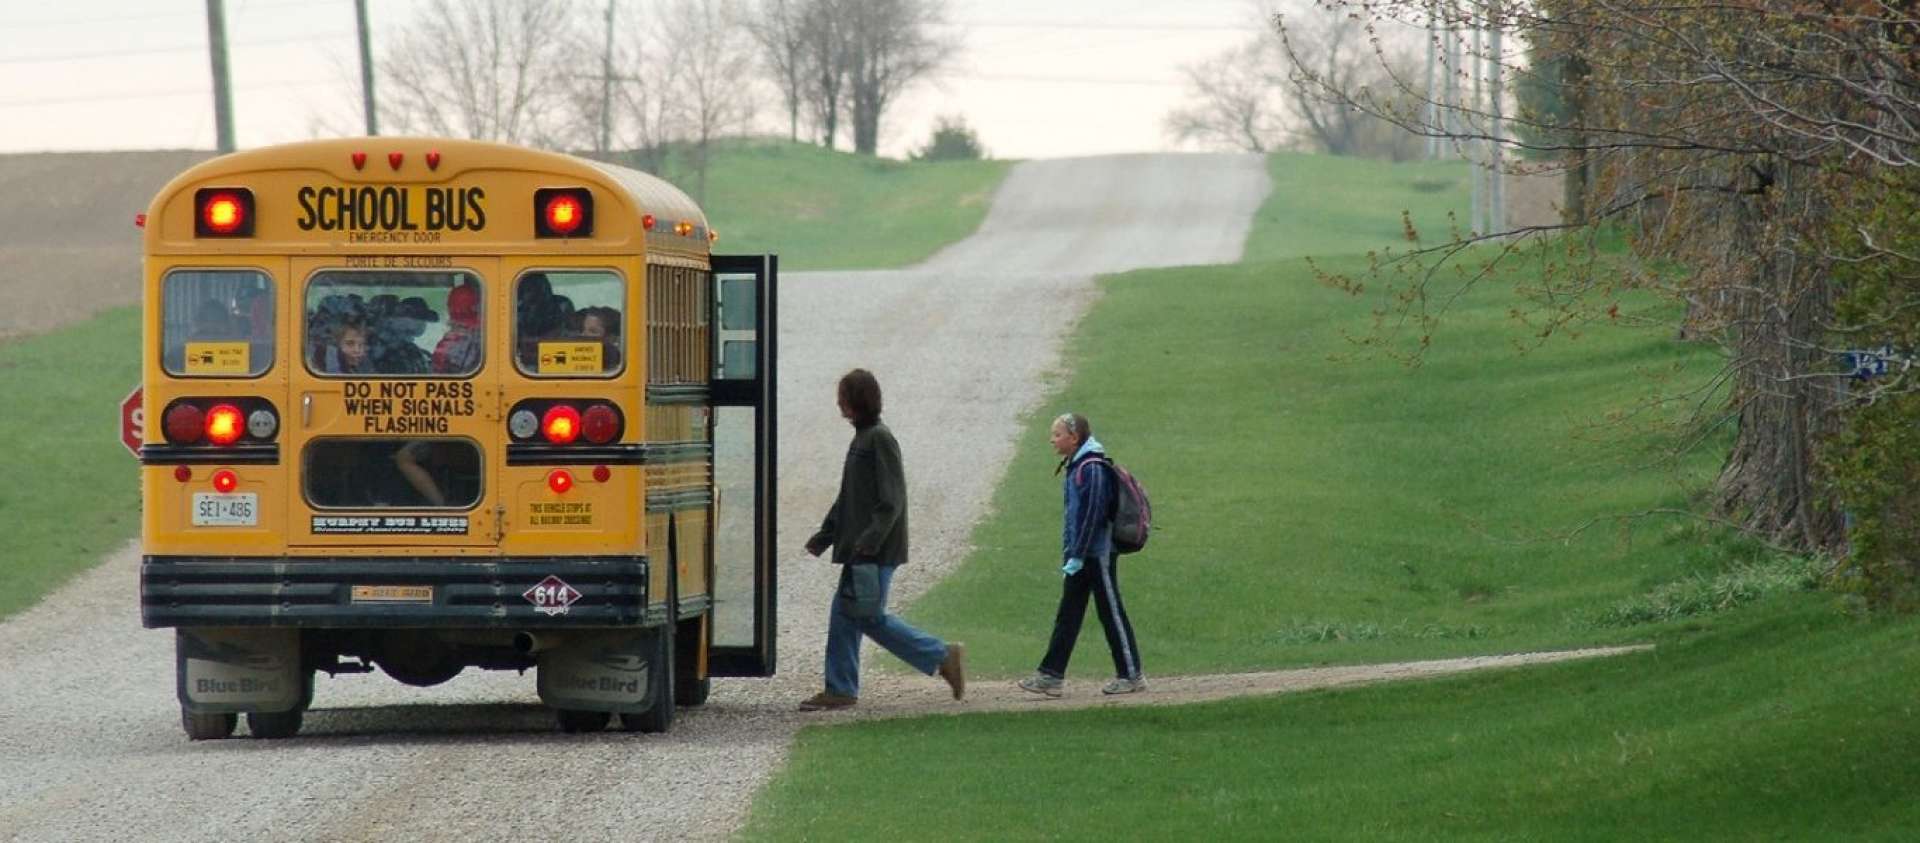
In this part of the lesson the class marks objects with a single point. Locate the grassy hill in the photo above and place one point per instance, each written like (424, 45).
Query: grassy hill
(1327, 507)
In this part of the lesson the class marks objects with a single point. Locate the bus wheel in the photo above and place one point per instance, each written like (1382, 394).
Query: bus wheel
(659, 714)
(208, 727)
(574, 720)
(688, 689)
(273, 725)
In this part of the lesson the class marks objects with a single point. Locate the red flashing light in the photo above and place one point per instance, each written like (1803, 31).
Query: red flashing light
(559, 480)
(184, 424)
(225, 424)
(561, 425)
(599, 424)
(224, 213)
(139, 220)
(647, 222)
(601, 473)
(225, 481)
(563, 212)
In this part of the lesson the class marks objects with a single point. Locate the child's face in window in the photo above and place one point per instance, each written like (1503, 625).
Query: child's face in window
(591, 326)
(353, 346)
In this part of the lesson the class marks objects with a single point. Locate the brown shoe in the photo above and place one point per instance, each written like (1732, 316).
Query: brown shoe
(827, 701)
(954, 669)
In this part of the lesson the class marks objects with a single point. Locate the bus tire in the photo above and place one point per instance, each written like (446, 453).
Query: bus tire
(208, 727)
(658, 717)
(688, 689)
(574, 720)
(273, 725)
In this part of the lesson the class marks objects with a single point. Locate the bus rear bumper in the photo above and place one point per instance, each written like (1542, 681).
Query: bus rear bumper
(363, 592)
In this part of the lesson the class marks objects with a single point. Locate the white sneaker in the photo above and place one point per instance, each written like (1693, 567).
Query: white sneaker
(1126, 686)
(1040, 683)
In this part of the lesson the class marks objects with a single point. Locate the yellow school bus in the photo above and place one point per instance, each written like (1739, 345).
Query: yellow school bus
(428, 405)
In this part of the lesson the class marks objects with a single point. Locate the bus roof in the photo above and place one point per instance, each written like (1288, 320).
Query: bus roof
(290, 181)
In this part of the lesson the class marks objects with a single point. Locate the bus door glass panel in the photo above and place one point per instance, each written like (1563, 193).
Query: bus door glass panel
(393, 404)
(744, 436)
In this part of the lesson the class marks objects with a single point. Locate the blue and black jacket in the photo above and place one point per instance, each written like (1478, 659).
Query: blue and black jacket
(1087, 531)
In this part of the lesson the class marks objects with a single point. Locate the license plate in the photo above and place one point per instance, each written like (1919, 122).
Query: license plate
(217, 510)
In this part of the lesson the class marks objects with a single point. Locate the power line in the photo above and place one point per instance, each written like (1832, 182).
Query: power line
(188, 48)
(156, 94)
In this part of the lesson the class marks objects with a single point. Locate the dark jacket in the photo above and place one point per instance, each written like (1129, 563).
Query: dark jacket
(869, 517)
(1086, 533)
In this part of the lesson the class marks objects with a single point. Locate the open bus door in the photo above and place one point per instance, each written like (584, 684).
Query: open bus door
(743, 428)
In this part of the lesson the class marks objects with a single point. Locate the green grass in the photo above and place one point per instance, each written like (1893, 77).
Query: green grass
(72, 492)
(1311, 509)
(1794, 723)
(1326, 205)
(820, 209)
(1318, 505)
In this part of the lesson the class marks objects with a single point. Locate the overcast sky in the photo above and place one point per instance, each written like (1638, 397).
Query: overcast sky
(1036, 80)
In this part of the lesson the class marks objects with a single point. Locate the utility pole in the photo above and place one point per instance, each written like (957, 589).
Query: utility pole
(222, 94)
(1433, 93)
(1496, 167)
(1474, 145)
(366, 66)
(606, 87)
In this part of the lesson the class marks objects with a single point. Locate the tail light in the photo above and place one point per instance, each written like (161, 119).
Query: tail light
(563, 422)
(225, 481)
(561, 425)
(224, 424)
(559, 480)
(600, 424)
(219, 422)
(185, 424)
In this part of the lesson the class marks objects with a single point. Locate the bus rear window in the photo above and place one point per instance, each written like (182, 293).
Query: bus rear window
(217, 323)
(568, 323)
(351, 473)
(394, 323)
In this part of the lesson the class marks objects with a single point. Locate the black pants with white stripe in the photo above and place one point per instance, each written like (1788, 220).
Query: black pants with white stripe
(1100, 580)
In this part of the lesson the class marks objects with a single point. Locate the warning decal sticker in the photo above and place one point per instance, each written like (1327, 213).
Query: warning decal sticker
(217, 358)
(569, 358)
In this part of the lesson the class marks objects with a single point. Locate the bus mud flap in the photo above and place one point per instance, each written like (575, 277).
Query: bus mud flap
(597, 671)
(224, 670)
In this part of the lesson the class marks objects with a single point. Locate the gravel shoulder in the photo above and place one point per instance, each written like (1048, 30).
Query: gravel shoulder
(90, 746)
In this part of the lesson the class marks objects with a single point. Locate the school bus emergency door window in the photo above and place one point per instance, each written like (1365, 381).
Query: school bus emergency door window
(360, 473)
(410, 324)
(568, 324)
(217, 323)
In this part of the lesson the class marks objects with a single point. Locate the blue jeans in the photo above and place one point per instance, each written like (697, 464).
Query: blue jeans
(924, 652)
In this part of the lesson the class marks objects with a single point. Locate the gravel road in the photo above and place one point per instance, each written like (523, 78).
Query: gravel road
(90, 743)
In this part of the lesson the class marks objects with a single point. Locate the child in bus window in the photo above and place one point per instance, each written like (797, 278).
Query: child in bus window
(458, 352)
(348, 356)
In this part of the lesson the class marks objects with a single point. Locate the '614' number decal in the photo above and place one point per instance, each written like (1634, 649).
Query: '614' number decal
(551, 596)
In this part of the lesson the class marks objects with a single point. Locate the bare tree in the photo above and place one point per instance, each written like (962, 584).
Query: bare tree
(891, 44)
(1334, 65)
(1235, 103)
(710, 72)
(779, 27)
(484, 69)
(824, 58)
